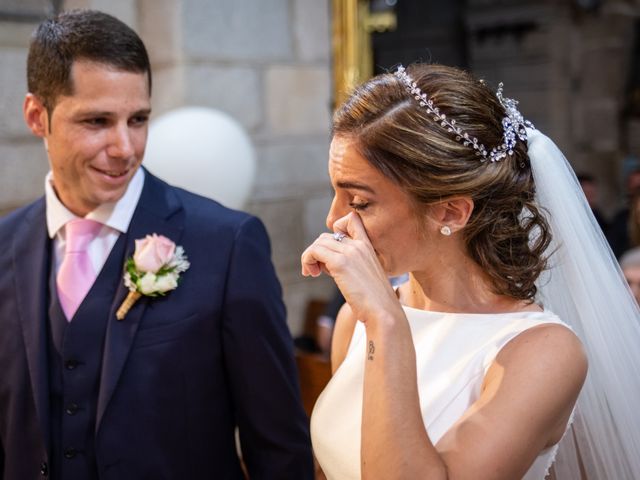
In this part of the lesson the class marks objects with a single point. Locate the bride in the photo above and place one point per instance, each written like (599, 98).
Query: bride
(472, 368)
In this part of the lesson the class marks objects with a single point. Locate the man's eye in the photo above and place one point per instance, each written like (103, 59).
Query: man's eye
(139, 120)
(96, 121)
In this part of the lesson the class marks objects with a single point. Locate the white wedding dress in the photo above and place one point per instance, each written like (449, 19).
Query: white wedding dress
(453, 353)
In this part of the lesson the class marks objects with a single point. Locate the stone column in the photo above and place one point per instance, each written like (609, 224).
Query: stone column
(24, 162)
(125, 10)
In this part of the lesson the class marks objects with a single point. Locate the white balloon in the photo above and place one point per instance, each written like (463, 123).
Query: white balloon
(204, 151)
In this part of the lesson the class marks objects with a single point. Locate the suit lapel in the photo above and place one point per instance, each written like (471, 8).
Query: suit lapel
(158, 211)
(31, 265)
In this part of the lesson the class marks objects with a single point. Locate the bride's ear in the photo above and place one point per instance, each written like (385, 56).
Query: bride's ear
(453, 212)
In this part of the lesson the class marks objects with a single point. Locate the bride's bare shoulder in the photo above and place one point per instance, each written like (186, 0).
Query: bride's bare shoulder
(550, 344)
(550, 357)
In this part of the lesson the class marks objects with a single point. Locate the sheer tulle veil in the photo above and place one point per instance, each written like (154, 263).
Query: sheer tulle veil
(585, 287)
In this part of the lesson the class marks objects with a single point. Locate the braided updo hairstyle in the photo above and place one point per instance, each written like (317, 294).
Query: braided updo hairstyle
(506, 234)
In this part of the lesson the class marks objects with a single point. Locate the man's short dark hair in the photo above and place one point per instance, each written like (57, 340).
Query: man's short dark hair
(80, 35)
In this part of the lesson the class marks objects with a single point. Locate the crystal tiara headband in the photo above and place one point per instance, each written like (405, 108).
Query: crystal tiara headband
(513, 125)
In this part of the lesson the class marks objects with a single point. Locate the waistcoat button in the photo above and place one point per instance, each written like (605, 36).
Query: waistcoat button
(70, 452)
(71, 364)
(72, 408)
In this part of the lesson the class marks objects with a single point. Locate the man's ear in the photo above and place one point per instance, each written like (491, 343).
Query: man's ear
(453, 212)
(35, 115)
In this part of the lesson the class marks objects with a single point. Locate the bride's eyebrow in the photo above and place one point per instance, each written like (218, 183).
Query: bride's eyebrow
(355, 186)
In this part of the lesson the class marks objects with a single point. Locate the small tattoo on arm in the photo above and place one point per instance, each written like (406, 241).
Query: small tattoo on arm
(372, 349)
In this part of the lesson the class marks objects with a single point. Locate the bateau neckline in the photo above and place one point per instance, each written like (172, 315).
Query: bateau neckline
(518, 313)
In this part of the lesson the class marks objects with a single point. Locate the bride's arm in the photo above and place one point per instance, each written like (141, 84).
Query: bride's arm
(526, 401)
(395, 443)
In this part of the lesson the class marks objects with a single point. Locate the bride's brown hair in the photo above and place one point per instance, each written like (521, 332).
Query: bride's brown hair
(506, 234)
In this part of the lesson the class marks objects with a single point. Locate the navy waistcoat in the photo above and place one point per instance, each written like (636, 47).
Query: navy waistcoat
(75, 360)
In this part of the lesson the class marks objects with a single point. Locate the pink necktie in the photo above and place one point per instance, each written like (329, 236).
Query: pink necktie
(76, 274)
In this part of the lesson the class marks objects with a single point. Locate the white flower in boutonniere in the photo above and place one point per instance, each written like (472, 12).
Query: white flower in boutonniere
(153, 270)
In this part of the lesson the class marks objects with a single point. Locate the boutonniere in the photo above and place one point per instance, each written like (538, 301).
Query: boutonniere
(153, 270)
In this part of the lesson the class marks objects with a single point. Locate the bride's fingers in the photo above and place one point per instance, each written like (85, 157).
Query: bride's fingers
(351, 224)
(334, 249)
(311, 269)
(315, 257)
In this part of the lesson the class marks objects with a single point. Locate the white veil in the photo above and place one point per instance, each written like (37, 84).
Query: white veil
(585, 287)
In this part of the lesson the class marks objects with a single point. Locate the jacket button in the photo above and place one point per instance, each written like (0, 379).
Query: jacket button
(44, 469)
(72, 408)
(70, 364)
(70, 452)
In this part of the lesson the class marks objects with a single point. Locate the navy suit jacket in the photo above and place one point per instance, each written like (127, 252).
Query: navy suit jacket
(180, 372)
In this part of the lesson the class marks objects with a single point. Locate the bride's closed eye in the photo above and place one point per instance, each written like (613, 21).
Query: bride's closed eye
(359, 206)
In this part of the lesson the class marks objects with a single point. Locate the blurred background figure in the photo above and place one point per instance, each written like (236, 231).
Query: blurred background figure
(625, 222)
(633, 222)
(589, 186)
(630, 264)
(326, 322)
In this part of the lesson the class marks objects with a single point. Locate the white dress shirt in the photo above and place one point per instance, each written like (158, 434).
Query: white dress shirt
(115, 218)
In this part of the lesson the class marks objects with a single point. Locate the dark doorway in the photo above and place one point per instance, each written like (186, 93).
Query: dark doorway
(427, 31)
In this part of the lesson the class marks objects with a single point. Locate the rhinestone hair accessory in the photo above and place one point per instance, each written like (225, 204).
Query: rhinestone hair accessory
(513, 125)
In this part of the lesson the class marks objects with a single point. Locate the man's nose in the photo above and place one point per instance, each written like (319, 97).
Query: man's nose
(121, 145)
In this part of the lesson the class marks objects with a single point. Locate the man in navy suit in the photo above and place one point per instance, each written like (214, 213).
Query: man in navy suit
(161, 393)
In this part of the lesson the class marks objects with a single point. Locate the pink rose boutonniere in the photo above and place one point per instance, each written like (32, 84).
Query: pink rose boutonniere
(153, 270)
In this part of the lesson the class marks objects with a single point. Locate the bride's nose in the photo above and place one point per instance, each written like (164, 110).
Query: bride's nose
(335, 212)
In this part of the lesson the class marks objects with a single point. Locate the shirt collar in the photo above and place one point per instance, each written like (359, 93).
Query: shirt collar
(116, 215)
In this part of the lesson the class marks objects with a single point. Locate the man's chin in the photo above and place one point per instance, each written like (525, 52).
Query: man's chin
(111, 196)
(108, 189)
(99, 194)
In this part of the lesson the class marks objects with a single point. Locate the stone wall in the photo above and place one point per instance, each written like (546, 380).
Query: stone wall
(22, 158)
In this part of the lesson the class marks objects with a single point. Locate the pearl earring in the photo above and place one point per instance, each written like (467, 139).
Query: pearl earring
(445, 230)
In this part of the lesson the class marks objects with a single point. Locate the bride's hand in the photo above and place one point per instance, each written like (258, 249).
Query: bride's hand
(353, 264)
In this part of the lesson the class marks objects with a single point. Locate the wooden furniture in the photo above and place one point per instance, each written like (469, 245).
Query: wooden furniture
(314, 369)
